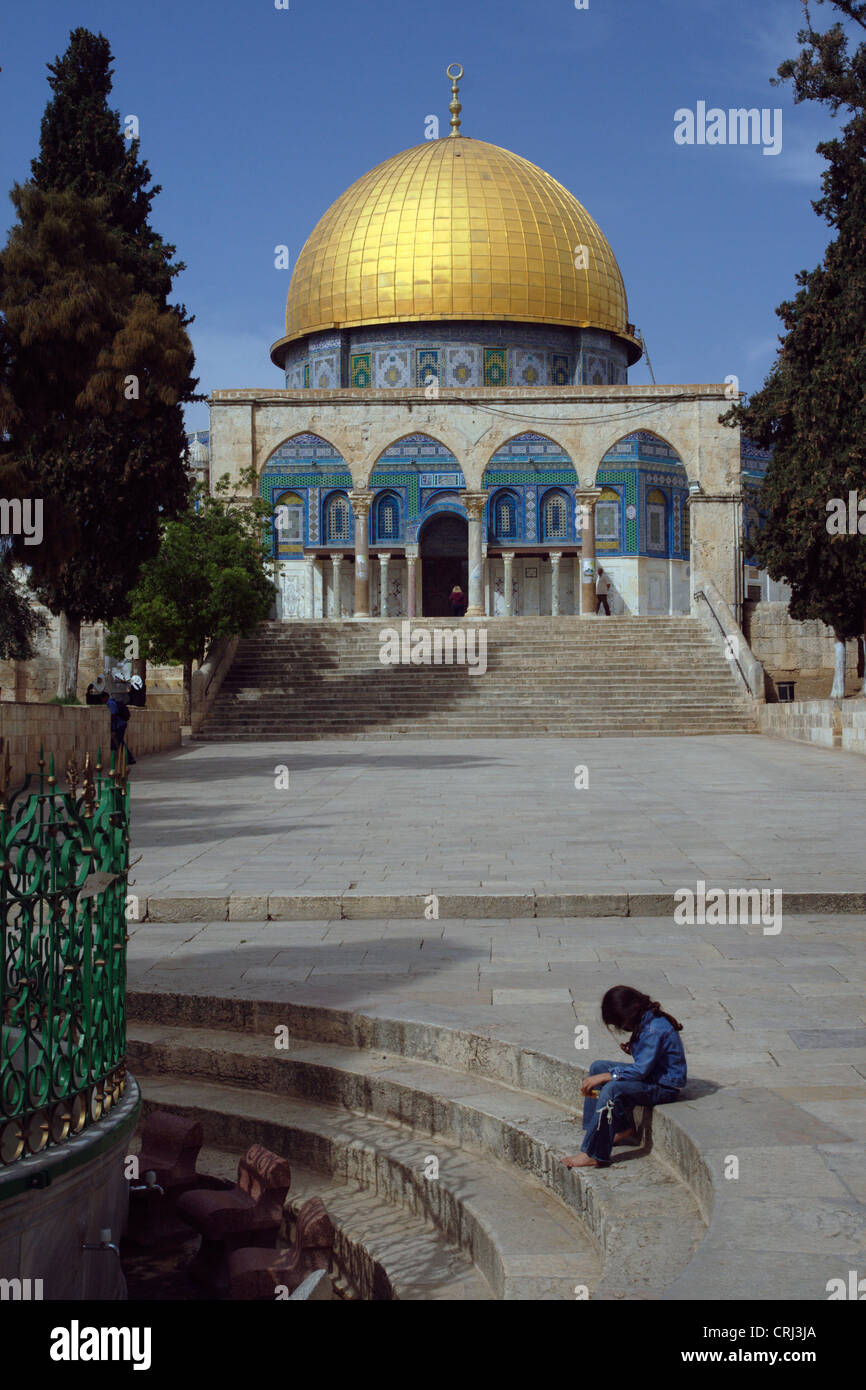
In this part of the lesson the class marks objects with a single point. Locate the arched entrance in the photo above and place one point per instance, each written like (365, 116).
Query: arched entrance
(444, 550)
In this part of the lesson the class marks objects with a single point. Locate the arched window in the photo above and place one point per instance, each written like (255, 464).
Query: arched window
(656, 520)
(506, 516)
(607, 514)
(338, 518)
(386, 526)
(554, 517)
(289, 519)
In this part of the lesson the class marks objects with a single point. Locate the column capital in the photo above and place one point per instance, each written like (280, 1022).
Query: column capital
(508, 555)
(310, 560)
(384, 555)
(361, 500)
(555, 556)
(587, 496)
(474, 503)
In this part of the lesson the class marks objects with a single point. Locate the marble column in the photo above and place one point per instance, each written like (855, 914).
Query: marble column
(383, 584)
(310, 586)
(485, 578)
(361, 500)
(507, 561)
(474, 504)
(336, 600)
(586, 498)
(411, 580)
(555, 557)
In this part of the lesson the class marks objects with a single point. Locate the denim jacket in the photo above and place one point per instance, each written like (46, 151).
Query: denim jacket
(657, 1057)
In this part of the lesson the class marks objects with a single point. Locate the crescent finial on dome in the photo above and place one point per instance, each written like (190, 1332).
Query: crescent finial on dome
(455, 107)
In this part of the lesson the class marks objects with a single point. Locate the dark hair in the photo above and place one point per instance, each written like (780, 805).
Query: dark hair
(624, 1008)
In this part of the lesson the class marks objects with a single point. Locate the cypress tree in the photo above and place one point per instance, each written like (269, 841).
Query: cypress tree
(96, 364)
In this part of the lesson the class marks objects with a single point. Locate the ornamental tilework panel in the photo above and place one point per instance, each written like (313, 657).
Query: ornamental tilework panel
(361, 372)
(463, 366)
(306, 376)
(306, 451)
(313, 514)
(628, 477)
(324, 372)
(678, 525)
(405, 484)
(533, 449)
(531, 499)
(594, 370)
(427, 365)
(392, 369)
(419, 449)
(560, 372)
(495, 367)
(529, 368)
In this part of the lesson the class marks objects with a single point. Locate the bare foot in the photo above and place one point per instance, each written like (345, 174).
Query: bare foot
(623, 1136)
(580, 1161)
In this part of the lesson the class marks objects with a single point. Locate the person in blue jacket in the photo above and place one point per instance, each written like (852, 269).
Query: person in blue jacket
(656, 1074)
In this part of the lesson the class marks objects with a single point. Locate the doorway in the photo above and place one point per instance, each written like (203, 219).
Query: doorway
(444, 550)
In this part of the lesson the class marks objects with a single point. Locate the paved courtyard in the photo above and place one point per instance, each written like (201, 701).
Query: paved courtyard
(775, 1035)
(775, 1024)
(499, 815)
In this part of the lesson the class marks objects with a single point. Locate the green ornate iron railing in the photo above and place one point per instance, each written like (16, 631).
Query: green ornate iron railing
(64, 863)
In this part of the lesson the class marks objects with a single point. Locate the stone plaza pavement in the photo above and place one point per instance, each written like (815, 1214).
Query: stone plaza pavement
(775, 1035)
(498, 816)
(775, 1025)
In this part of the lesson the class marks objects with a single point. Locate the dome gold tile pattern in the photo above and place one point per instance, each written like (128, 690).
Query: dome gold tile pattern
(456, 229)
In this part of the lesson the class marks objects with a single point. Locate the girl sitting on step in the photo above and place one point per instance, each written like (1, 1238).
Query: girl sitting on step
(655, 1074)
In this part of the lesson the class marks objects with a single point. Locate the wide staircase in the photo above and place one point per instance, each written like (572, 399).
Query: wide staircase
(545, 677)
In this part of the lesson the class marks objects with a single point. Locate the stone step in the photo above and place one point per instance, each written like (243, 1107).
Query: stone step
(467, 1204)
(544, 678)
(533, 1227)
(383, 1251)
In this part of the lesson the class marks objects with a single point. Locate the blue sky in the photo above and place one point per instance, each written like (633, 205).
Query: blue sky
(255, 119)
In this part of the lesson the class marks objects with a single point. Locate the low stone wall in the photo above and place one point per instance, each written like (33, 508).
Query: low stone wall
(830, 723)
(153, 730)
(79, 729)
(795, 651)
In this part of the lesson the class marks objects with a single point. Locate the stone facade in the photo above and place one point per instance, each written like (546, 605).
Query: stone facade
(691, 475)
(36, 681)
(802, 652)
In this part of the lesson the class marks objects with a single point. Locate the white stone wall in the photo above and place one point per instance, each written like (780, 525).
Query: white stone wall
(828, 723)
(802, 652)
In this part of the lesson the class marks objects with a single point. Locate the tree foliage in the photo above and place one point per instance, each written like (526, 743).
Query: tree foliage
(95, 365)
(811, 410)
(207, 581)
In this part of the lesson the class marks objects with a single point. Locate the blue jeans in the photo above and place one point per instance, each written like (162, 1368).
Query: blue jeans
(613, 1111)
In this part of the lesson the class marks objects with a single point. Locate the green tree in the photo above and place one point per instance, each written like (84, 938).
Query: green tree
(207, 582)
(95, 365)
(811, 410)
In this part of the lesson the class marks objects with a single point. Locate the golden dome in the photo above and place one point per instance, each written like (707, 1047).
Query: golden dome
(456, 229)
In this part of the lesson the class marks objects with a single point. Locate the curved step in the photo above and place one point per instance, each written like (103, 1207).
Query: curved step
(467, 1204)
(384, 1252)
(643, 1220)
